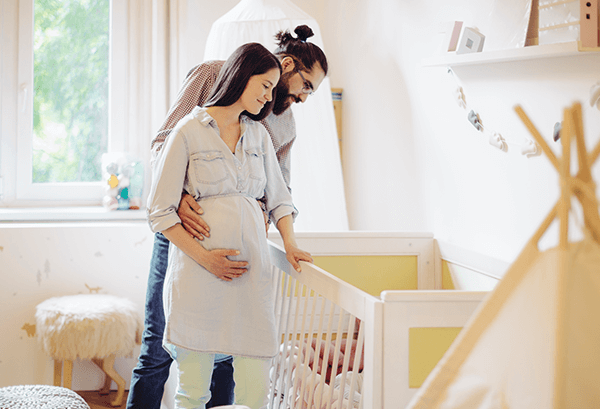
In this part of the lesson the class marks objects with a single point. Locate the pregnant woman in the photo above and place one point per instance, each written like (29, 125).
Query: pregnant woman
(219, 292)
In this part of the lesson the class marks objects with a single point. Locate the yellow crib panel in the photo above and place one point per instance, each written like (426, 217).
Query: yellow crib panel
(373, 274)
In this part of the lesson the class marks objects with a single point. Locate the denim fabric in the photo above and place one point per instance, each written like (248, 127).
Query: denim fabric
(152, 370)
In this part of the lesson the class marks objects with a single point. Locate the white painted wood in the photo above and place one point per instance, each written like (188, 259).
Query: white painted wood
(474, 261)
(403, 310)
(467, 279)
(374, 243)
(324, 306)
(373, 388)
(329, 286)
(568, 49)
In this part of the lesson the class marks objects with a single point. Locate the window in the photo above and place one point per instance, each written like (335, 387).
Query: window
(70, 90)
(64, 70)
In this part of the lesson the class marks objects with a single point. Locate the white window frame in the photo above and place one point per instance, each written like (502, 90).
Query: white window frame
(16, 186)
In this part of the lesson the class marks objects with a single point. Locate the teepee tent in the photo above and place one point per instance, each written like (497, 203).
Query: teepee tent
(317, 182)
(534, 342)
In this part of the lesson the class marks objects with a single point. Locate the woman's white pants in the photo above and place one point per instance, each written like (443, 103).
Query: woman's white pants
(251, 376)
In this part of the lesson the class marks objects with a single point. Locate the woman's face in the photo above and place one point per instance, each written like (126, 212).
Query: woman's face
(259, 91)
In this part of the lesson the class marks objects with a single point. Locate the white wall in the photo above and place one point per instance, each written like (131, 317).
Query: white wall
(413, 161)
(49, 260)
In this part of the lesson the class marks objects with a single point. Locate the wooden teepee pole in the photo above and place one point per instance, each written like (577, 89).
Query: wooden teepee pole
(562, 273)
(565, 175)
(583, 185)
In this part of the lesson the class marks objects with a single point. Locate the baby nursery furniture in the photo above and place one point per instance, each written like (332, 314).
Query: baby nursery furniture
(98, 327)
(533, 342)
(343, 347)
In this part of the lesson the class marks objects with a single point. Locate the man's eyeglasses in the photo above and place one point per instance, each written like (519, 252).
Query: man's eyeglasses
(307, 88)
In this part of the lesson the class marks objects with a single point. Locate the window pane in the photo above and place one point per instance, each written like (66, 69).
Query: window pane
(70, 118)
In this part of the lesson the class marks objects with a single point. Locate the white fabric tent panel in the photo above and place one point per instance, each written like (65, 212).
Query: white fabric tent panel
(317, 182)
(512, 362)
(583, 328)
(515, 362)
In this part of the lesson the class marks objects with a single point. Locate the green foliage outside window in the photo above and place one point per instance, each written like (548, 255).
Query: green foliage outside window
(70, 118)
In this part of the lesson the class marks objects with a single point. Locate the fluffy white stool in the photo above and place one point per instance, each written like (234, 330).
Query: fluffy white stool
(92, 326)
(40, 397)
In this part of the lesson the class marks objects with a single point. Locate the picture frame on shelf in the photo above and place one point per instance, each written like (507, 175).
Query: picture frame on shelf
(471, 41)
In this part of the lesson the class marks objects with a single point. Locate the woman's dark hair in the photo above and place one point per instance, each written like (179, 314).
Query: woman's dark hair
(307, 53)
(246, 61)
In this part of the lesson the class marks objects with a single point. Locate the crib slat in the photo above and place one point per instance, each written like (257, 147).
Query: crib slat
(347, 353)
(336, 355)
(357, 358)
(278, 275)
(278, 293)
(275, 394)
(307, 354)
(318, 348)
(302, 345)
(290, 293)
(326, 354)
(293, 335)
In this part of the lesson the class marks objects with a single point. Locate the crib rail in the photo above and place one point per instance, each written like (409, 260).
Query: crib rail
(325, 326)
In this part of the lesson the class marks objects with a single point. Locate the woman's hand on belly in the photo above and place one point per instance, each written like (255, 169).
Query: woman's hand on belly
(216, 262)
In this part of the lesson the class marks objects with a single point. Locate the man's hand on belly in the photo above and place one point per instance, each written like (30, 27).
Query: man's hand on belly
(189, 212)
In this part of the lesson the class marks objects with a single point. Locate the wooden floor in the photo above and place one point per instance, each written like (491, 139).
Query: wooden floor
(97, 401)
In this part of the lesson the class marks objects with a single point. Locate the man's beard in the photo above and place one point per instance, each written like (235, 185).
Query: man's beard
(282, 95)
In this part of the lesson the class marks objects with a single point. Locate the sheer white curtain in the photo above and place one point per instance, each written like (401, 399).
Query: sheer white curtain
(155, 66)
(152, 43)
(317, 183)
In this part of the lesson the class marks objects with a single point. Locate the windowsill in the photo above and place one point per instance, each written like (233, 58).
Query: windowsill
(69, 214)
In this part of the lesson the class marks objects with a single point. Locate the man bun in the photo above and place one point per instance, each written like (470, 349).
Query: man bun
(285, 37)
(303, 32)
(304, 53)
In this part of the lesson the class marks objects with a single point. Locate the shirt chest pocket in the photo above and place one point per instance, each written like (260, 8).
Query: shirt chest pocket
(256, 164)
(209, 167)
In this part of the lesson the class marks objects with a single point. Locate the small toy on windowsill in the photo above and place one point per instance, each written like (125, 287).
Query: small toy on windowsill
(124, 177)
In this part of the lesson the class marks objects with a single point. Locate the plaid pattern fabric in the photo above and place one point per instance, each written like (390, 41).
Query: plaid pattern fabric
(195, 91)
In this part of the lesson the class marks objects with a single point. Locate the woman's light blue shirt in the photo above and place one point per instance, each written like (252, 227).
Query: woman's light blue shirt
(202, 312)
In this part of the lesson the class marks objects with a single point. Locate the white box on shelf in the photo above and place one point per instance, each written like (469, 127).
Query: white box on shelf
(471, 41)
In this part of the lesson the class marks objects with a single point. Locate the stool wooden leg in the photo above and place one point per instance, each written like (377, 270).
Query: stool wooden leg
(108, 366)
(105, 390)
(57, 372)
(68, 375)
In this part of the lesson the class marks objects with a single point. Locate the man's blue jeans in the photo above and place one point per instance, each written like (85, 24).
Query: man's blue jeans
(152, 370)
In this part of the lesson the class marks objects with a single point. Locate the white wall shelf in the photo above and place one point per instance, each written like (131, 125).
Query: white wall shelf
(570, 49)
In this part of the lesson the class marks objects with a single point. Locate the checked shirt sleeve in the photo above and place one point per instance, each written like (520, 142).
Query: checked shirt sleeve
(194, 92)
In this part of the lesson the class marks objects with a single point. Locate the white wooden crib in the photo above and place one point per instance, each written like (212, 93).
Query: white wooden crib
(389, 332)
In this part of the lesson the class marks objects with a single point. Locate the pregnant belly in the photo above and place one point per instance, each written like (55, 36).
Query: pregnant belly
(235, 222)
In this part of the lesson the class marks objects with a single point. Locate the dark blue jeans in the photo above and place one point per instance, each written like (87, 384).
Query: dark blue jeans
(152, 370)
